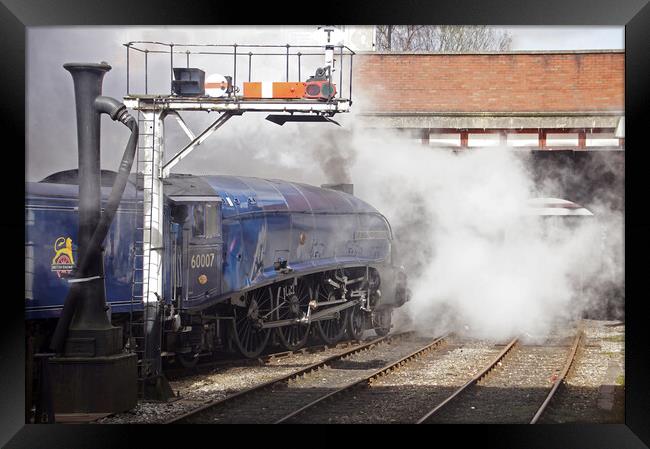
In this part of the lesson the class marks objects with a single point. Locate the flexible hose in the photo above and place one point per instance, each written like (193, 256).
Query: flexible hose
(95, 244)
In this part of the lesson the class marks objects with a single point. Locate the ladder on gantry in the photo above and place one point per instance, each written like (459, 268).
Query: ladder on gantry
(146, 213)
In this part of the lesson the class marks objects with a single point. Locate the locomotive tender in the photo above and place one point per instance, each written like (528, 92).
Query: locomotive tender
(244, 259)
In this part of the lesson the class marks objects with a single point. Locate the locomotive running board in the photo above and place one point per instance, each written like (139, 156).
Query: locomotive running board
(318, 316)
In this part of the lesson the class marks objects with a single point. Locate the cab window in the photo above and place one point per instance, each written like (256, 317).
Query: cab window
(206, 221)
(211, 220)
(198, 224)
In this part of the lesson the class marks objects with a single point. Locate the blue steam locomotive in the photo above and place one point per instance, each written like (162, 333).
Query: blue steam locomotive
(246, 262)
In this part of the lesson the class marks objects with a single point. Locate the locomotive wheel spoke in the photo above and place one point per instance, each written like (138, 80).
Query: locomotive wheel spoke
(294, 305)
(355, 325)
(333, 330)
(249, 338)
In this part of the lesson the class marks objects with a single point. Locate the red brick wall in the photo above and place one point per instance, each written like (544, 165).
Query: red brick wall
(489, 82)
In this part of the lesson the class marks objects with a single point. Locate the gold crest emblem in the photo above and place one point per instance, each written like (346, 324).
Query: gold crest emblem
(63, 260)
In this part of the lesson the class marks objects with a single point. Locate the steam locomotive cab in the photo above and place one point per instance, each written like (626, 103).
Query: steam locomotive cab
(199, 249)
(194, 249)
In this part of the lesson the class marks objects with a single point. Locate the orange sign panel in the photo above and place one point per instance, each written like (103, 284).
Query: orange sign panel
(252, 90)
(288, 90)
(274, 90)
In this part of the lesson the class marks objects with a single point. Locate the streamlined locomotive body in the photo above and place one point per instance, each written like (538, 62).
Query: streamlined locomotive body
(246, 261)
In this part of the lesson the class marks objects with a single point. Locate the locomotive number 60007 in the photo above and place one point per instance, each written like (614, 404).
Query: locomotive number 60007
(202, 260)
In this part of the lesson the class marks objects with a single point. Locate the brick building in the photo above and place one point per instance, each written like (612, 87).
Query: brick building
(529, 100)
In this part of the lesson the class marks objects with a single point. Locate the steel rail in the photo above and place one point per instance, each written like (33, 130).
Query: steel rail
(368, 379)
(175, 372)
(560, 379)
(287, 377)
(471, 382)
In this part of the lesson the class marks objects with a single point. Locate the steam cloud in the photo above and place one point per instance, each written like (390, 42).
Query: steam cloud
(336, 156)
(476, 262)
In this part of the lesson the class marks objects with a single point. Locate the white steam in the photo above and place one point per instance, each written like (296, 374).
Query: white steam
(476, 262)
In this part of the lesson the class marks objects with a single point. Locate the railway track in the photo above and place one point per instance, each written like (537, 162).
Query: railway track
(471, 382)
(274, 400)
(513, 394)
(392, 396)
(180, 372)
(401, 391)
(294, 417)
(556, 384)
(397, 378)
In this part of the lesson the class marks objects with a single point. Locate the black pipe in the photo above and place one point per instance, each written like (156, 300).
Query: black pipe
(98, 237)
(87, 80)
(88, 281)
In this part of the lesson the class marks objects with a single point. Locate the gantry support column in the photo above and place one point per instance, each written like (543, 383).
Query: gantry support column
(152, 139)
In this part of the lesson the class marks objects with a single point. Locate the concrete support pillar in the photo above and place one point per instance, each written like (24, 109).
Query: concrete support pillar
(464, 138)
(582, 140)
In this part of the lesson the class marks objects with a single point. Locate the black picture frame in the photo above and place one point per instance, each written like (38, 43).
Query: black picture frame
(16, 15)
